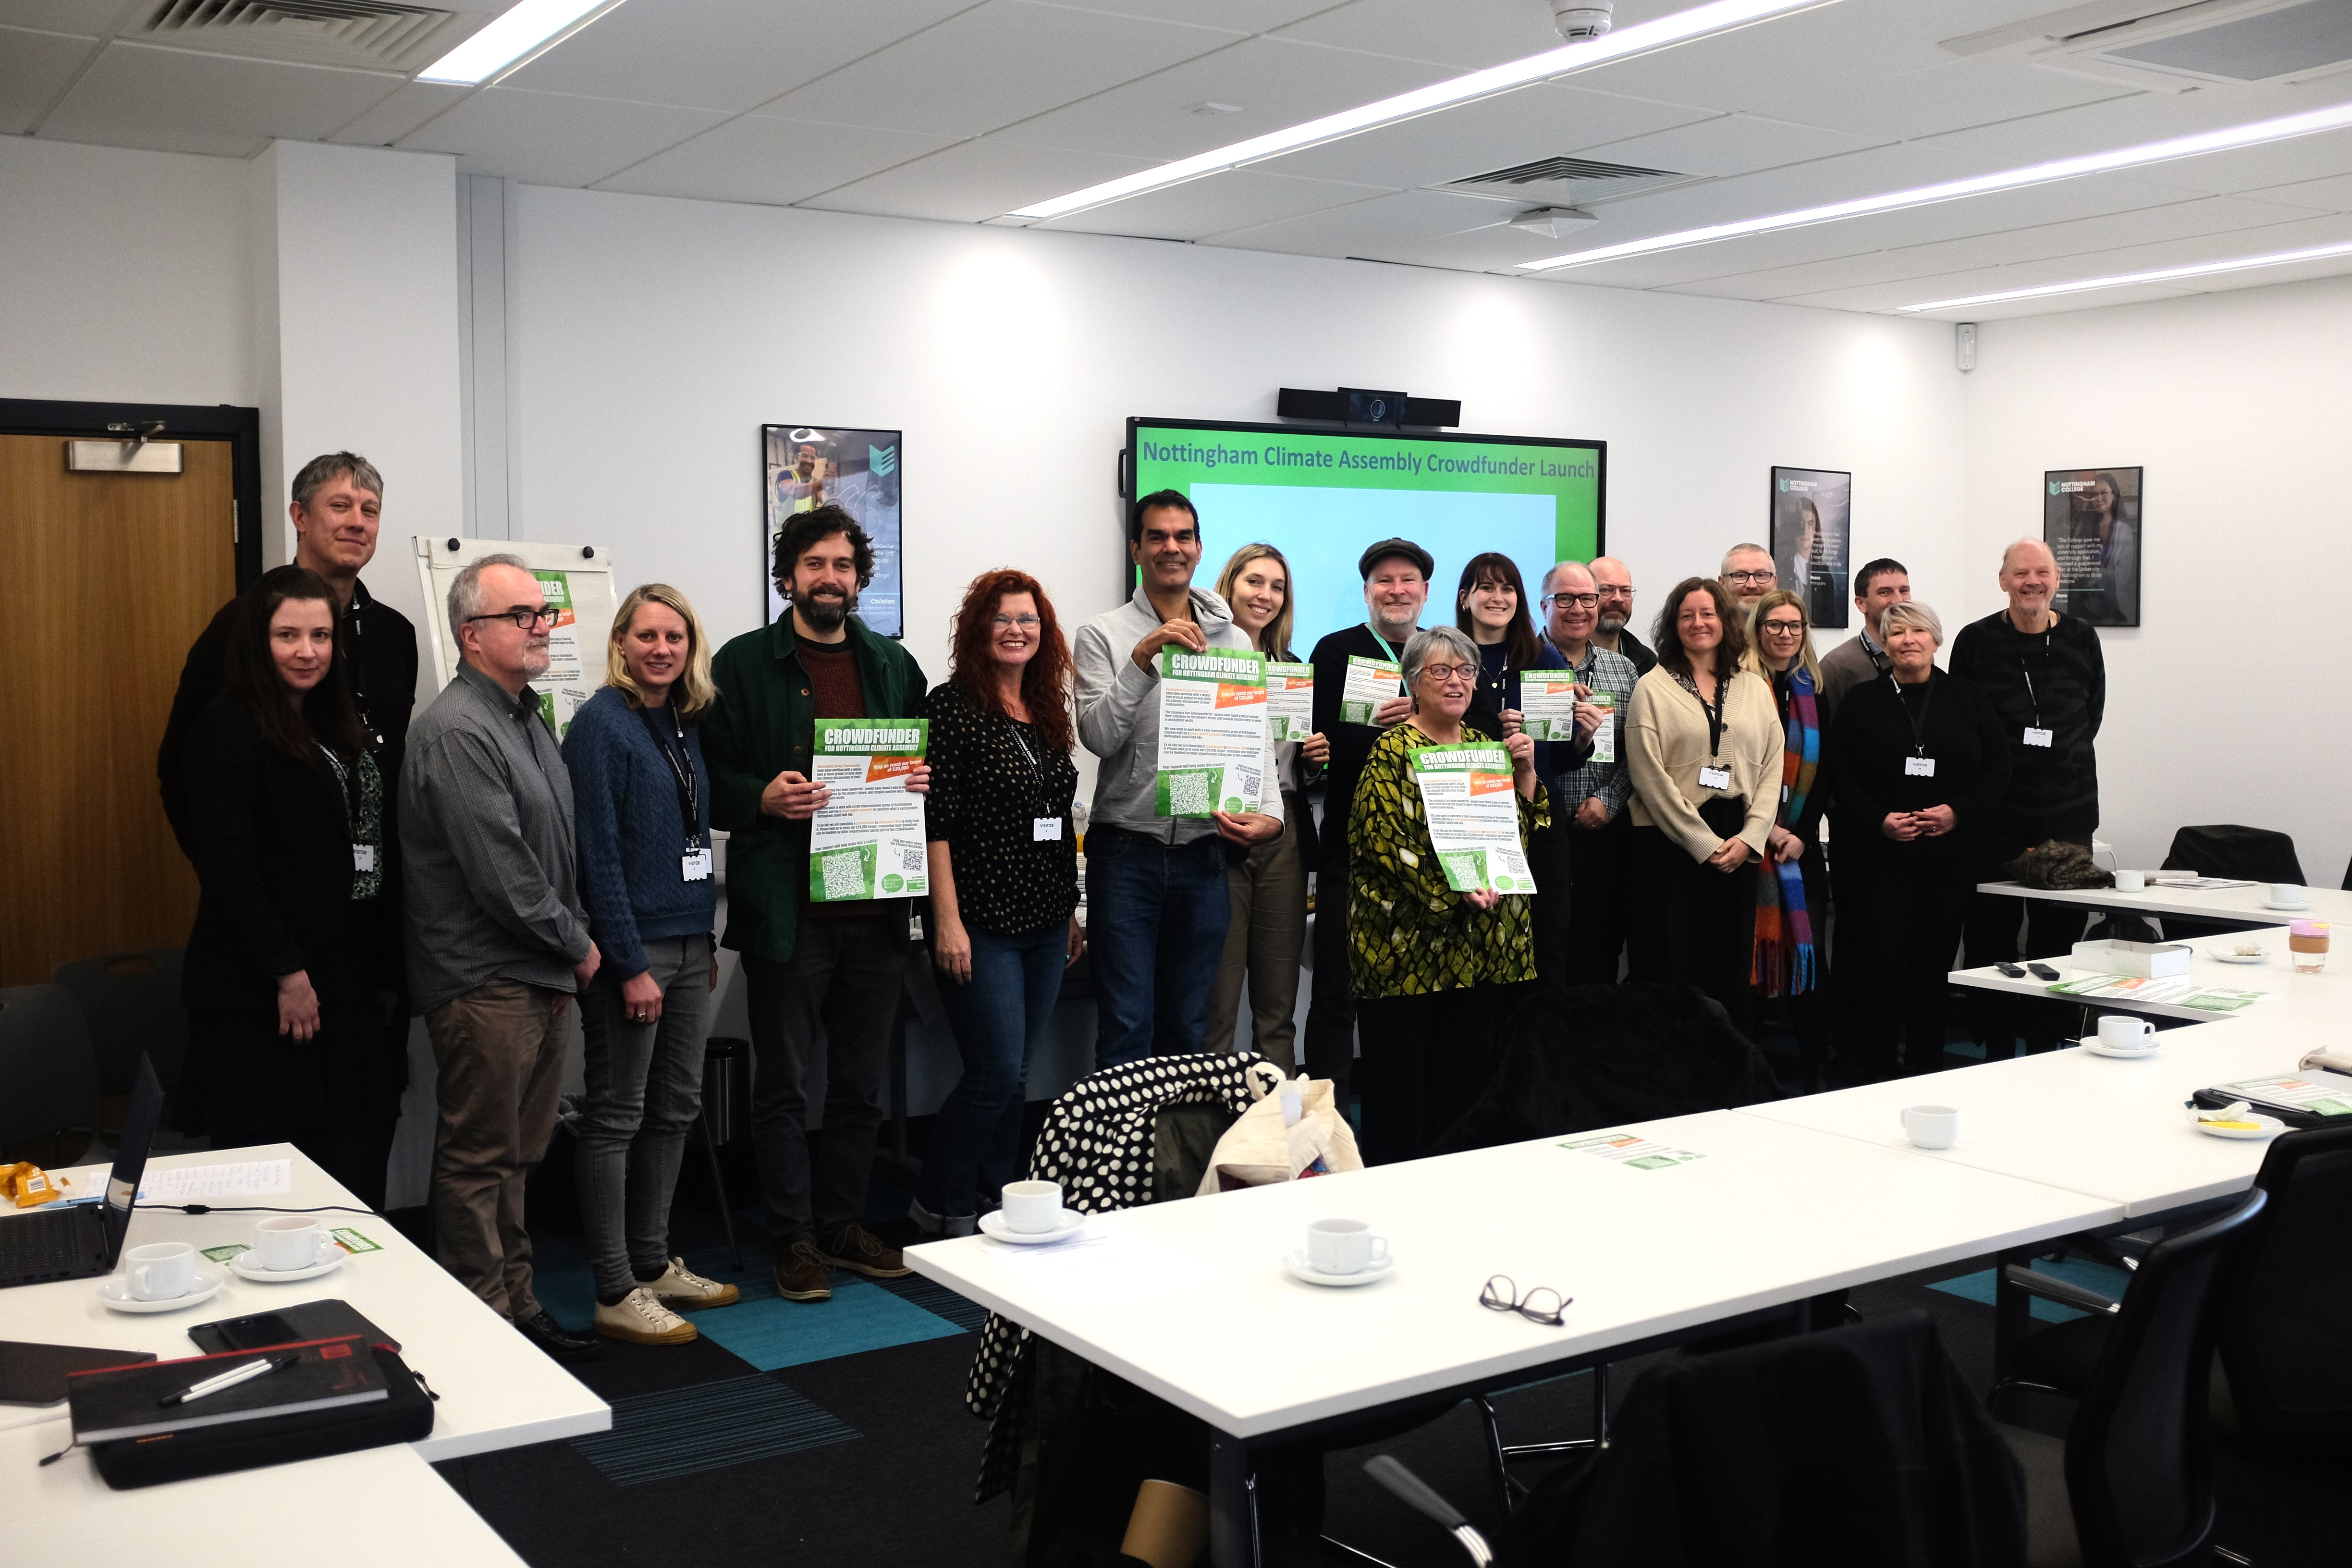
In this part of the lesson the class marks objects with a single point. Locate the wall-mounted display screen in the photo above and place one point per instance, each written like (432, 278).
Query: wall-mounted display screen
(806, 466)
(1321, 496)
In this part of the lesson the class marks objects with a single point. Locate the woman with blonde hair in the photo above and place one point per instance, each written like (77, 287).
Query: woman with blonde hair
(1269, 931)
(1787, 958)
(641, 814)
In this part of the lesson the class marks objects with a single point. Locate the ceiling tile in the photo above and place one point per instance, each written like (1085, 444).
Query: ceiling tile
(552, 139)
(2332, 196)
(1467, 33)
(994, 64)
(1228, 201)
(974, 181)
(174, 101)
(2129, 122)
(754, 158)
(2319, 157)
(1540, 122)
(1733, 144)
(406, 110)
(1427, 228)
(1931, 101)
(731, 55)
(34, 68)
(1274, 84)
(1240, 16)
(91, 18)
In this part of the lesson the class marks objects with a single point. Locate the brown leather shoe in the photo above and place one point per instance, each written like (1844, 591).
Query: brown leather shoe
(860, 1251)
(801, 1274)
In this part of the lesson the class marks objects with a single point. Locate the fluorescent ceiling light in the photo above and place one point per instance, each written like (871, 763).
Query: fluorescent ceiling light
(2126, 279)
(2290, 125)
(1721, 15)
(522, 30)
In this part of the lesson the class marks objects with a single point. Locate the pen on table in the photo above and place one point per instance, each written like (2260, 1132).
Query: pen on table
(232, 1377)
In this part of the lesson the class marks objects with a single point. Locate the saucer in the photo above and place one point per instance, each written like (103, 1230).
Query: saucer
(261, 1276)
(207, 1285)
(1300, 1268)
(2099, 1047)
(993, 1226)
(2269, 1126)
(2263, 957)
(2302, 908)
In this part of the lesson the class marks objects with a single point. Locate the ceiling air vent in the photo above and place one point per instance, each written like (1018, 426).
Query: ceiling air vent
(1568, 181)
(2176, 48)
(331, 32)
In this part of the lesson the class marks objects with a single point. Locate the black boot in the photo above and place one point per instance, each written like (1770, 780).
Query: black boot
(557, 1340)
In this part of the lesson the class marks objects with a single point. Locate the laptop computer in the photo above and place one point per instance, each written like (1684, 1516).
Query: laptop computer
(81, 1240)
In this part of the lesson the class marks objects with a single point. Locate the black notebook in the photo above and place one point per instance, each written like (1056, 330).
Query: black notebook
(324, 1320)
(128, 1402)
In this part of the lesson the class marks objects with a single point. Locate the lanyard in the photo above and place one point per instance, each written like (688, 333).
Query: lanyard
(1036, 768)
(2031, 695)
(1383, 642)
(344, 792)
(1919, 719)
(689, 797)
(1714, 714)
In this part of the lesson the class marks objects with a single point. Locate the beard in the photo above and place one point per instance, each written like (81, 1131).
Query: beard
(825, 612)
(1609, 625)
(535, 662)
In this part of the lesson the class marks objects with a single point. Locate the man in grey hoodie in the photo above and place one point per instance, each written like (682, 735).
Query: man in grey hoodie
(1158, 902)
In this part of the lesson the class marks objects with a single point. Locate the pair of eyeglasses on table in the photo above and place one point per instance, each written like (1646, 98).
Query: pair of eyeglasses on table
(1542, 1305)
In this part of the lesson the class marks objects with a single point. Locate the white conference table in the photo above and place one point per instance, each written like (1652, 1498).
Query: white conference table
(497, 1391)
(1190, 1302)
(2210, 903)
(2324, 995)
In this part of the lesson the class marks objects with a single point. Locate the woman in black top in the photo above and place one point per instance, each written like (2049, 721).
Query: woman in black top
(293, 968)
(1918, 762)
(1005, 880)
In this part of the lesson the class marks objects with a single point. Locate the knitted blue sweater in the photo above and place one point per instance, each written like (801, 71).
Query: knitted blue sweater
(631, 835)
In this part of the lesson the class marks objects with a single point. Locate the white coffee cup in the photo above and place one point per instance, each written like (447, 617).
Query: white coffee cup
(1344, 1247)
(2131, 881)
(285, 1242)
(2122, 1032)
(1032, 1208)
(158, 1271)
(2288, 895)
(1932, 1126)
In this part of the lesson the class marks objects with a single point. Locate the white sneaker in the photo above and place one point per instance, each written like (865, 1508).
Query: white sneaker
(681, 1287)
(640, 1319)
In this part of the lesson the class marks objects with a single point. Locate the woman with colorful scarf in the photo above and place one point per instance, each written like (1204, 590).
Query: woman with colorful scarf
(1788, 958)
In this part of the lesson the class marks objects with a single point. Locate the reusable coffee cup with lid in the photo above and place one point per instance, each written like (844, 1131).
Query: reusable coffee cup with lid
(1032, 1208)
(158, 1271)
(2131, 881)
(2122, 1032)
(1932, 1126)
(1344, 1246)
(285, 1242)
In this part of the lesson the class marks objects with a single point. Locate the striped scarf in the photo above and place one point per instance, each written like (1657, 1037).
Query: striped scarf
(1782, 961)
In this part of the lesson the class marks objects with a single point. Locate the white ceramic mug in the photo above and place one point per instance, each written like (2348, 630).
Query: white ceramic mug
(1932, 1126)
(285, 1242)
(158, 1271)
(2131, 881)
(1344, 1246)
(2122, 1032)
(2288, 895)
(1032, 1208)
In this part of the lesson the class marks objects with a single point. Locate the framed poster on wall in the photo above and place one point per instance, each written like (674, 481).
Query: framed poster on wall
(804, 466)
(2090, 520)
(1813, 534)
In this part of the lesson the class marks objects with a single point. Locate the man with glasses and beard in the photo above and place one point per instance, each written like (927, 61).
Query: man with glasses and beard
(1614, 581)
(819, 971)
(498, 937)
(1590, 834)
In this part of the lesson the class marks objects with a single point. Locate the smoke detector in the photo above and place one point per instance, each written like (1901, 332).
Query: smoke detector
(1580, 19)
(1554, 222)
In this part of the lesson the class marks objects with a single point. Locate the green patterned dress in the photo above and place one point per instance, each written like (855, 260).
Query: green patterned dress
(1408, 932)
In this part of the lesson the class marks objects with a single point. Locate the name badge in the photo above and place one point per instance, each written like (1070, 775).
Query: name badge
(1920, 767)
(1044, 830)
(2038, 737)
(695, 865)
(362, 856)
(1714, 778)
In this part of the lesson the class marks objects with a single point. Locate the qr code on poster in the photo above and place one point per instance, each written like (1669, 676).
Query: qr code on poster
(910, 859)
(1191, 795)
(845, 876)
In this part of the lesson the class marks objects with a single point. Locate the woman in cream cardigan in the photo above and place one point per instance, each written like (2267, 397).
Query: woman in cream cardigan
(1703, 744)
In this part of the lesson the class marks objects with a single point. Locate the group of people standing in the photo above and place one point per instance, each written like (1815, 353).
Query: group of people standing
(359, 868)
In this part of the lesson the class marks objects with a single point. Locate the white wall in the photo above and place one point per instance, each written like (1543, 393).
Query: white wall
(2235, 403)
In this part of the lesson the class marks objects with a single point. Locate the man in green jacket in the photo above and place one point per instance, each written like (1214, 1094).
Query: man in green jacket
(816, 970)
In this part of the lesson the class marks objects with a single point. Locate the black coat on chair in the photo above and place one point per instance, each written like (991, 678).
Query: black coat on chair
(1580, 1057)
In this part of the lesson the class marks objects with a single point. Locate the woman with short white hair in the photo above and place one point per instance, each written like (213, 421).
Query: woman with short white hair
(1918, 762)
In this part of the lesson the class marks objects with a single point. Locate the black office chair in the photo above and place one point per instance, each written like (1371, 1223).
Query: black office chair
(2134, 1472)
(2226, 849)
(2293, 1293)
(131, 1000)
(48, 1073)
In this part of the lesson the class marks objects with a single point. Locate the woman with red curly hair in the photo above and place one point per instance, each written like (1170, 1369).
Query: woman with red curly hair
(1004, 878)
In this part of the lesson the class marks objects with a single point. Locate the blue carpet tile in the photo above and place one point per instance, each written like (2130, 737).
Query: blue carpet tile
(2108, 1282)
(708, 1427)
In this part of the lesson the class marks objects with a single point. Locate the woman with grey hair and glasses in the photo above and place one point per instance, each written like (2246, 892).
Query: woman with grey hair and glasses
(1436, 971)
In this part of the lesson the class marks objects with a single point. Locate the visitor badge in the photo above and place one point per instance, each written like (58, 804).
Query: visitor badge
(1920, 767)
(695, 865)
(1714, 778)
(2037, 738)
(362, 856)
(1045, 829)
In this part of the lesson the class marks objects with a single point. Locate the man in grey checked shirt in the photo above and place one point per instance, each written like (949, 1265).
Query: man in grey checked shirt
(1589, 797)
(498, 937)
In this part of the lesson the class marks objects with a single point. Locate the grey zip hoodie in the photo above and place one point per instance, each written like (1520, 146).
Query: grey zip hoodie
(1118, 714)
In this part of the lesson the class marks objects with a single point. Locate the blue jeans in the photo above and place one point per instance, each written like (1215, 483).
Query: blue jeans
(999, 1015)
(1156, 926)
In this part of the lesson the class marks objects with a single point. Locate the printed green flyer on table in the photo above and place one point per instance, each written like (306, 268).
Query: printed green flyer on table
(867, 841)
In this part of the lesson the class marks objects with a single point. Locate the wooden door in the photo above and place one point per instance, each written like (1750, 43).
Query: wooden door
(106, 580)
